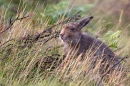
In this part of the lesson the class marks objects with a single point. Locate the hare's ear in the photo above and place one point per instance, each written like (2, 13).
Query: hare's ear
(83, 22)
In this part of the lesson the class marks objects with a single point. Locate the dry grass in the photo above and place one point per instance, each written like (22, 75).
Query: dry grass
(89, 70)
(27, 61)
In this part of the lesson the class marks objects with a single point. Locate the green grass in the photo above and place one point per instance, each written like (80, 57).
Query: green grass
(26, 62)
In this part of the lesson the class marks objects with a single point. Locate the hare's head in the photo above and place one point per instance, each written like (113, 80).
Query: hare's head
(71, 32)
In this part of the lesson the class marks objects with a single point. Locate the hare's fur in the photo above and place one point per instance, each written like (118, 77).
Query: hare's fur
(73, 38)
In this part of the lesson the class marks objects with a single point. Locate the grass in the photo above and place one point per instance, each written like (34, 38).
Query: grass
(25, 61)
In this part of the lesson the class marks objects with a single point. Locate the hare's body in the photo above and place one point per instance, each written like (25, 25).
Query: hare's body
(93, 45)
(88, 42)
(74, 39)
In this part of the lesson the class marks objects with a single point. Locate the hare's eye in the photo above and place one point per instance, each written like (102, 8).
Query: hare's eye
(72, 29)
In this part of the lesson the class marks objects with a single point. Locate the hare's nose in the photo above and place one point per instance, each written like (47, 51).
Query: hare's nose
(61, 35)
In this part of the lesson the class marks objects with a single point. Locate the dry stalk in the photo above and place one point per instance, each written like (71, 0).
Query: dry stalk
(35, 38)
(117, 63)
(12, 21)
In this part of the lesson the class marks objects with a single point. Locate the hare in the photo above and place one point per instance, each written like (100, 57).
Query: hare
(73, 38)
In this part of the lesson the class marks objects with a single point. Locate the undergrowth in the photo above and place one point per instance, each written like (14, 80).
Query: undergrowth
(31, 53)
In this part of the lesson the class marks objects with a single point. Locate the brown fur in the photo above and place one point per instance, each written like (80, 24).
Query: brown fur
(72, 38)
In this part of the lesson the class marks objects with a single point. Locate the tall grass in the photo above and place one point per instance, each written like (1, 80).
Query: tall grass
(28, 62)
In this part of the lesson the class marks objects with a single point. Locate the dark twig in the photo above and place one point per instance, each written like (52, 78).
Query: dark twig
(6, 42)
(48, 30)
(54, 36)
(98, 84)
(11, 22)
(117, 49)
(72, 18)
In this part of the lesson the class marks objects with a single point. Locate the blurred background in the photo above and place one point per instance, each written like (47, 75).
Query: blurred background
(113, 7)
(114, 11)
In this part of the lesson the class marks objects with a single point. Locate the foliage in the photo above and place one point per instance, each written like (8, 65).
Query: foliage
(54, 12)
(112, 38)
(26, 62)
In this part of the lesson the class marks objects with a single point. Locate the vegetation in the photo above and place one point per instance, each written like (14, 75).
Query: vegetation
(31, 53)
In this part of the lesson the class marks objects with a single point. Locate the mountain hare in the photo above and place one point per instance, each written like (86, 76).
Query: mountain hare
(73, 39)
